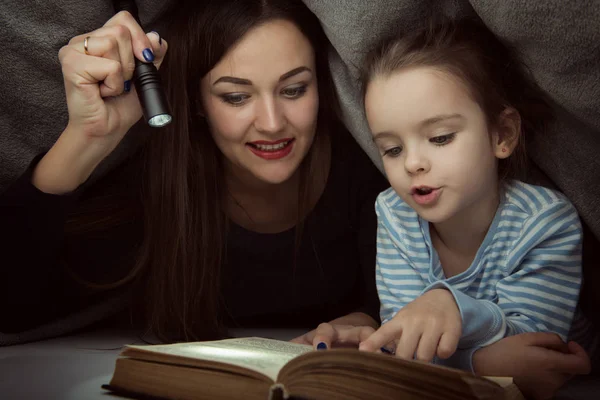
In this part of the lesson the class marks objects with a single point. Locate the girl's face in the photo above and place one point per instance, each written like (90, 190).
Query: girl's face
(438, 153)
(261, 103)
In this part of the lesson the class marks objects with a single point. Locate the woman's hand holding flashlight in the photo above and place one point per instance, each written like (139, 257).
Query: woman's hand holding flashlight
(97, 69)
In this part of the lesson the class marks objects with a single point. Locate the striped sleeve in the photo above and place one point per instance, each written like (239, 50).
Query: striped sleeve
(398, 280)
(541, 292)
(387, 281)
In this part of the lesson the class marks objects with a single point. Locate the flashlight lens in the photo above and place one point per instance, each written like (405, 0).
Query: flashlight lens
(160, 120)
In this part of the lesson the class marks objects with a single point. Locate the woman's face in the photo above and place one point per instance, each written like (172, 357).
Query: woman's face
(261, 102)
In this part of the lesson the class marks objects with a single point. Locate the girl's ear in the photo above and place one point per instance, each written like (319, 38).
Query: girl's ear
(507, 133)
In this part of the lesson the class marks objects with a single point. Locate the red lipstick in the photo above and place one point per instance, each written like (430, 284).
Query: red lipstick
(264, 142)
(272, 150)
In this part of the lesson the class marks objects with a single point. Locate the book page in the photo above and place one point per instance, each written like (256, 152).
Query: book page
(511, 391)
(266, 356)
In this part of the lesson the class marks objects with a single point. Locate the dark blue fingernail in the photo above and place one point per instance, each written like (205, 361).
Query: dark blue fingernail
(386, 351)
(148, 55)
(159, 38)
(322, 346)
(127, 87)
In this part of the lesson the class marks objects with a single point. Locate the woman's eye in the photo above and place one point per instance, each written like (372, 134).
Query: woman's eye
(393, 152)
(294, 92)
(235, 99)
(443, 139)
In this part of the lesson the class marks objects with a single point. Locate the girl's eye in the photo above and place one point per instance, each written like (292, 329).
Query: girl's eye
(393, 152)
(443, 139)
(294, 92)
(235, 99)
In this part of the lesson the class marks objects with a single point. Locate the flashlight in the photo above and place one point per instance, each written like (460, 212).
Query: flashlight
(147, 80)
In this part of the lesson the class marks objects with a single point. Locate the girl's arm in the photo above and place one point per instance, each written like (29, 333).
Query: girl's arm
(539, 363)
(540, 291)
(401, 261)
(412, 324)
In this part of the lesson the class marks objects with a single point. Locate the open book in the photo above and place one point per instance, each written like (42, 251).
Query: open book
(257, 368)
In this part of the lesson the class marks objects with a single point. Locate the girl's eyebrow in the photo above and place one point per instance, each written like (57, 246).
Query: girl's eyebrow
(426, 122)
(439, 118)
(382, 135)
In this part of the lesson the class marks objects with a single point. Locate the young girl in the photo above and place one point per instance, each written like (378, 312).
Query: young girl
(466, 255)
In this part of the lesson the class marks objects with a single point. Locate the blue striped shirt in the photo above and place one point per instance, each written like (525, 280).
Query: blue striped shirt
(525, 277)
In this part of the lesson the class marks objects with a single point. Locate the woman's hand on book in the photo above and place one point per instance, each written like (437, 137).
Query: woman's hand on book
(539, 362)
(97, 70)
(346, 331)
(428, 326)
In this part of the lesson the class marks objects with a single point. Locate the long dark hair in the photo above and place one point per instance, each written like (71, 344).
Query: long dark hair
(185, 225)
(490, 68)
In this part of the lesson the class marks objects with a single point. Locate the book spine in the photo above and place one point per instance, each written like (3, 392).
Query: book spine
(277, 391)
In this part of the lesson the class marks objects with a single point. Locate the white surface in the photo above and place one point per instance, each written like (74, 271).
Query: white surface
(76, 367)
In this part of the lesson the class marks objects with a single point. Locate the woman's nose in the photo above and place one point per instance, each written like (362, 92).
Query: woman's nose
(269, 117)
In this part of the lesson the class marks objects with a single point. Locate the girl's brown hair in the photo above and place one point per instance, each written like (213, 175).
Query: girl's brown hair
(489, 68)
(177, 273)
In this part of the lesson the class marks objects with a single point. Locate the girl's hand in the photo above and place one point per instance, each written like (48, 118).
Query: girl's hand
(539, 362)
(100, 109)
(428, 326)
(346, 331)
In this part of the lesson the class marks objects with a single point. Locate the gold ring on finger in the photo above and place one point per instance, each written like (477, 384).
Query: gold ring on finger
(85, 45)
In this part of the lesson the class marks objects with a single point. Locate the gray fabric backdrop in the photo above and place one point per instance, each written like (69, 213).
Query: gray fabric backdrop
(560, 41)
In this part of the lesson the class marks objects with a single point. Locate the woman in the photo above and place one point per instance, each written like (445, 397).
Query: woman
(254, 207)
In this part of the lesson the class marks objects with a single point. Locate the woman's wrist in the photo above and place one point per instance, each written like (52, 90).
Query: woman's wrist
(68, 164)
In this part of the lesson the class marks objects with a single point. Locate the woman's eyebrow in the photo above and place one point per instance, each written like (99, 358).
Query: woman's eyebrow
(242, 81)
(233, 79)
(293, 72)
